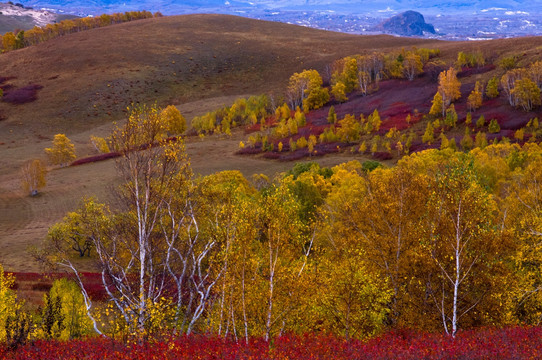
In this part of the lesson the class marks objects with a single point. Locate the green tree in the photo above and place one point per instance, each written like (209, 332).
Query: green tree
(481, 121)
(480, 140)
(467, 142)
(429, 134)
(331, 115)
(492, 89)
(19, 40)
(468, 119)
(444, 142)
(437, 105)
(73, 309)
(493, 126)
(451, 116)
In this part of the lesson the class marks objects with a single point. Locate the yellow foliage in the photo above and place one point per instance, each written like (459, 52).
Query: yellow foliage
(8, 301)
(175, 123)
(449, 86)
(62, 152)
(33, 176)
(100, 144)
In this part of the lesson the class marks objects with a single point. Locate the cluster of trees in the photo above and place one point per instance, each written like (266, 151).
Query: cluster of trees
(363, 72)
(465, 59)
(305, 90)
(359, 72)
(522, 86)
(348, 130)
(62, 316)
(33, 172)
(251, 111)
(449, 90)
(444, 240)
(62, 152)
(20, 39)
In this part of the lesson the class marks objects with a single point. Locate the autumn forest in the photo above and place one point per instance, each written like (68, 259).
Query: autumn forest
(424, 240)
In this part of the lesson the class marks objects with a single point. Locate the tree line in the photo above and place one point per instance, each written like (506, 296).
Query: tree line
(19, 39)
(444, 240)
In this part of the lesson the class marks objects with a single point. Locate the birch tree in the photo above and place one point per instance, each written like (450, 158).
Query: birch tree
(461, 240)
(150, 241)
(33, 176)
(449, 87)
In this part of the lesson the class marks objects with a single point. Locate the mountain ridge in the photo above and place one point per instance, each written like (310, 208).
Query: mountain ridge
(408, 23)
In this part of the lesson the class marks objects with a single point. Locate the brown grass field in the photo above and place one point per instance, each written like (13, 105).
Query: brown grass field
(197, 62)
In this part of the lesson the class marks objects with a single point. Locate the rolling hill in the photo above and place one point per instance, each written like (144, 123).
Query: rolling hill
(81, 83)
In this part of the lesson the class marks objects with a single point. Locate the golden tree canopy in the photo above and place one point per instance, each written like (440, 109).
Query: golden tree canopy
(62, 152)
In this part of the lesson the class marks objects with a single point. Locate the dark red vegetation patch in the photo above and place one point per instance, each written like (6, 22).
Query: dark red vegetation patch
(22, 95)
(381, 155)
(468, 71)
(95, 158)
(249, 150)
(484, 343)
(43, 282)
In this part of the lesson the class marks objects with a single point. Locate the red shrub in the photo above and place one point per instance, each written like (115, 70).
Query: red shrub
(487, 343)
(469, 71)
(95, 158)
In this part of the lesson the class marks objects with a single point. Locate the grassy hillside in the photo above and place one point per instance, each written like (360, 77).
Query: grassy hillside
(88, 78)
(79, 84)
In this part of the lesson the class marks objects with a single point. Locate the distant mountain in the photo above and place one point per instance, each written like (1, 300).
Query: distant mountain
(409, 23)
(18, 17)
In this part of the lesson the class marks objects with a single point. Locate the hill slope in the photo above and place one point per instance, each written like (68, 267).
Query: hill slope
(89, 78)
(83, 82)
(80, 83)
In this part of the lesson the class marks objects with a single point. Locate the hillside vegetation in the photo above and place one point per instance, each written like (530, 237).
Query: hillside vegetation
(80, 83)
(421, 211)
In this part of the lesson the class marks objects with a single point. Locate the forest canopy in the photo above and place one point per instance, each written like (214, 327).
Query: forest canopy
(444, 240)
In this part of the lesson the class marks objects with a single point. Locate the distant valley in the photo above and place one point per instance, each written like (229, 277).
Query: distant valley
(461, 20)
(17, 16)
